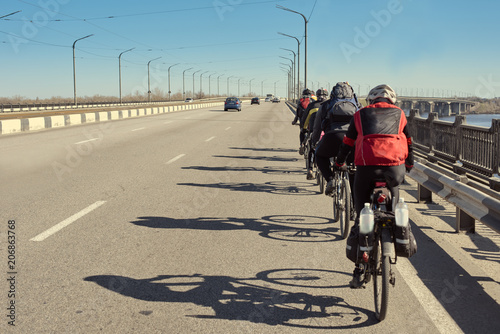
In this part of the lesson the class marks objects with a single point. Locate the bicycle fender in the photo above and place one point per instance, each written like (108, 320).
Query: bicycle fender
(387, 245)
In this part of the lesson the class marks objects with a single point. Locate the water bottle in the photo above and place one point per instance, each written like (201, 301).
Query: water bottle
(366, 220)
(401, 213)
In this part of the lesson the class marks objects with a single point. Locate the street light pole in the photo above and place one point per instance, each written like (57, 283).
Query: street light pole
(275, 87)
(74, 70)
(262, 87)
(183, 84)
(149, 81)
(228, 84)
(298, 62)
(193, 81)
(169, 80)
(120, 71)
(209, 88)
(305, 38)
(239, 87)
(250, 84)
(293, 74)
(201, 84)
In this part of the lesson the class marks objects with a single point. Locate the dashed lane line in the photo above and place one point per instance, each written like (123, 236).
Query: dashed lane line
(138, 129)
(56, 228)
(175, 159)
(209, 139)
(86, 141)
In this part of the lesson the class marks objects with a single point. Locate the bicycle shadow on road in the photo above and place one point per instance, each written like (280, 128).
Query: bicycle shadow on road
(265, 170)
(249, 299)
(279, 227)
(276, 187)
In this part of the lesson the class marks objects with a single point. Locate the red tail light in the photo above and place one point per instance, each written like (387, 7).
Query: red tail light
(381, 198)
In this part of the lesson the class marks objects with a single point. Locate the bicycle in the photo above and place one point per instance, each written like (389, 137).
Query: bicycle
(379, 253)
(342, 197)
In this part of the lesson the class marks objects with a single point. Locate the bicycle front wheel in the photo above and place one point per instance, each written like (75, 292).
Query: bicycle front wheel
(344, 204)
(381, 276)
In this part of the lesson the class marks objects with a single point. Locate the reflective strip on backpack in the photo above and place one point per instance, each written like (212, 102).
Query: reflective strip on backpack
(366, 249)
(348, 247)
(403, 241)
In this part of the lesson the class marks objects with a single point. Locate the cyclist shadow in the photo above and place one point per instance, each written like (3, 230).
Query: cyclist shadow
(243, 299)
(289, 228)
(277, 187)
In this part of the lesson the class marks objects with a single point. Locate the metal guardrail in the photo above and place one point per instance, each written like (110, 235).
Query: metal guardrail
(470, 150)
(472, 201)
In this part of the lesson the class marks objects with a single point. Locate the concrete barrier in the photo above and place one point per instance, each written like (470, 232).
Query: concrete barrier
(10, 126)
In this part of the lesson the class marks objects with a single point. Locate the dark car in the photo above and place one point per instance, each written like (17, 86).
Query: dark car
(255, 100)
(232, 103)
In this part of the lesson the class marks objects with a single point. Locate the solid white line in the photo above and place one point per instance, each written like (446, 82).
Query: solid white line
(138, 129)
(42, 236)
(440, 317)
(85, 141)
(228, 128)
(209, 139)
(175, 159)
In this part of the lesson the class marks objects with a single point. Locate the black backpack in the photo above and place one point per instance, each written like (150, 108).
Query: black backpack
(341, 106)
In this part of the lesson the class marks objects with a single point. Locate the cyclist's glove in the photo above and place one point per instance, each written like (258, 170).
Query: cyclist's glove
(408, 168)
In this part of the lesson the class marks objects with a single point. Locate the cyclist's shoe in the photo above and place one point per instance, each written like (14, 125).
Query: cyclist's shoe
(357, 281)
(329, 188)
(310, 175)
(301, 149)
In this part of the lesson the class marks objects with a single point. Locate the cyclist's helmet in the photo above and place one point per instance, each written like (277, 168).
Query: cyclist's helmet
(321, 92)
(381, 91)
(306, 92)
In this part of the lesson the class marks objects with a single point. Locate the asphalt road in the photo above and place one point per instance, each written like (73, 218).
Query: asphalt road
(202, 221)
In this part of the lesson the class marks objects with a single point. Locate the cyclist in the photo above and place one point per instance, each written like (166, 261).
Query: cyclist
(301, 107)
(308, 119)
(383, 149)
(333, 119)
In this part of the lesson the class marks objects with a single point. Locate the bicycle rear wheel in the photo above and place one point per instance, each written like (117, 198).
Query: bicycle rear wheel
(381, 276)
(321, 181)
(336, 197)
(344, 205)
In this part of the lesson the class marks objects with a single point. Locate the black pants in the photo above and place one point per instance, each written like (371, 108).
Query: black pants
(327, 148)
(364, 182)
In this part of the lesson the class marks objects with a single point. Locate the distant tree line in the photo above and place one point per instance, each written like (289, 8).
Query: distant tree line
(487, 106)
(156, 95)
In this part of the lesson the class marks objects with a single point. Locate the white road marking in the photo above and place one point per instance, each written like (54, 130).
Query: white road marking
(56, 228)
(138, 129)
(175, 159)
(85, 141)
(228, 128)
(440, 317)
(209, 139)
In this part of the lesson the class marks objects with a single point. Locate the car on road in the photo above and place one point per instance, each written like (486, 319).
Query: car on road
(268, 99)
(276, 100)
(188, 100)
(232, 103)
(255, 100)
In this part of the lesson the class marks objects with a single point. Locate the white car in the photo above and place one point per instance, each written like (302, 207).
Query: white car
(188, 100)
(276, 100)
(268, 99)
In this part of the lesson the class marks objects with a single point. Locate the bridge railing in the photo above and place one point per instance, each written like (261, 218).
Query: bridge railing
(469, 149)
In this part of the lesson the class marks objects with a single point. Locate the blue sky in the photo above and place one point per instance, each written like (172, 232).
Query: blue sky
(430, 47)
